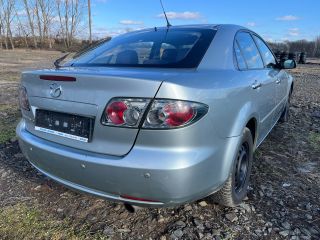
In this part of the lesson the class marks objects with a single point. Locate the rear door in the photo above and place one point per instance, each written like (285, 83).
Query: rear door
(260, 79)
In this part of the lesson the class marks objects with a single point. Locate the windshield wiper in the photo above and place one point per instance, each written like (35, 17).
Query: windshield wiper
(57, 62)
(91, 47)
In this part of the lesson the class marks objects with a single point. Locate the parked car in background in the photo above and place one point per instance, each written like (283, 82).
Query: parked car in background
(157, 117)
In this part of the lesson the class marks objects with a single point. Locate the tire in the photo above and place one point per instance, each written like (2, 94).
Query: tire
(285, 114)
(234, 190)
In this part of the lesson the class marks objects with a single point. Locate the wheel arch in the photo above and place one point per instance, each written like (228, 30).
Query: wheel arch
(252, 125)
(247, 117)
(291, 88)
(251, 121)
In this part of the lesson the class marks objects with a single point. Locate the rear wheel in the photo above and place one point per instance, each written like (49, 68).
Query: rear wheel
(235, 188)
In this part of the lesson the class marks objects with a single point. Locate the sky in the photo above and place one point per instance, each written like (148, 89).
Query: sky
(275, 20)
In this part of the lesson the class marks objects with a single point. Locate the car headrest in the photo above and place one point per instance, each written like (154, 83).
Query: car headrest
(169, 55)
(127, 57)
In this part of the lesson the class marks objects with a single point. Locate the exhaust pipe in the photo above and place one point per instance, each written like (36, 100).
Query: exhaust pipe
(131, 208)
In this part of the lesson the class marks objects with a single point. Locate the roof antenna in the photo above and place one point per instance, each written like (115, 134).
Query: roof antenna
(165, 15)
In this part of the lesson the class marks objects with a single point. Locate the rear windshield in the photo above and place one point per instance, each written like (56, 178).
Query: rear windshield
(173, 48)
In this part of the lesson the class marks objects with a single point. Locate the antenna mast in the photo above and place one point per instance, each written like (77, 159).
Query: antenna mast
(165, 15)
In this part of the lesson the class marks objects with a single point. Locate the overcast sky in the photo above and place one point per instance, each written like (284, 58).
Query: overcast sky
(275, 20)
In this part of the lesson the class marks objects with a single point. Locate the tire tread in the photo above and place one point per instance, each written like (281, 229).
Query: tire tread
(225, 196)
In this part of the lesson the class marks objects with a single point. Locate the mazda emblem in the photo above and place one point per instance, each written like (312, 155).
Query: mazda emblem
(55, 90)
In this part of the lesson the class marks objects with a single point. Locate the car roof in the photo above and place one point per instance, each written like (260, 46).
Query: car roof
(226, 27)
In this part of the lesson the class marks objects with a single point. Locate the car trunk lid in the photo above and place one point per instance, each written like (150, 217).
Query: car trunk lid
(87, 94)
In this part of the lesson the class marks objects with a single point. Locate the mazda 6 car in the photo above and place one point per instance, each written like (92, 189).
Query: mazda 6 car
(156, 117)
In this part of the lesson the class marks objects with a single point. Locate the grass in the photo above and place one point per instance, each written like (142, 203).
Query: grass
(314, 139)
(23, 222)
(257, 154)
(11, 76)
(9, 117)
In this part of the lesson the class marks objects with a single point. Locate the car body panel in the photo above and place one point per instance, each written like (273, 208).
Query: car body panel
(220, 53)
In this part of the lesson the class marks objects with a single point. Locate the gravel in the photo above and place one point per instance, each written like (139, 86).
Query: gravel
(282, 203)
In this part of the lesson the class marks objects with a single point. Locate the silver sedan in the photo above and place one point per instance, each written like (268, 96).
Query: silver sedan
(156, 117)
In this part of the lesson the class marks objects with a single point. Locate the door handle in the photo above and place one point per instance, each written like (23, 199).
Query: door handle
(256, 85)
(278, 81)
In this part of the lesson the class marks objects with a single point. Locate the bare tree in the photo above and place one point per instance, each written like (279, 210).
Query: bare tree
(75, 19)
(2, 28)
(62, 29)
(46, 16)
(316, 52)
(38, 19)
(89, 15)
(8, 15)
(31, 22)
(69, 12)
(66, 21)
(22, 29)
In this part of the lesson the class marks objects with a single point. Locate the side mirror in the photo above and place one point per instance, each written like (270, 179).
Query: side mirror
(288, 64)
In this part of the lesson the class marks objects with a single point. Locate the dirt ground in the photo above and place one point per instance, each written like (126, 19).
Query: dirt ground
(283, 200)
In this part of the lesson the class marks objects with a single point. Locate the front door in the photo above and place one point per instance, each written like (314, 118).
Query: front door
(281, 94)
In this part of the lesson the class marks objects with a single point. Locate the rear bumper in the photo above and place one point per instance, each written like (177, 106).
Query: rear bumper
(166, 176)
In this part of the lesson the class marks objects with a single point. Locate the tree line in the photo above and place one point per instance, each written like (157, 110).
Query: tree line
(311, 48)
(63, 24)
(43, 23)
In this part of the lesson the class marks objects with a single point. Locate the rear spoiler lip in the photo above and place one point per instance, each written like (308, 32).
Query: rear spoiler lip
(57, 78)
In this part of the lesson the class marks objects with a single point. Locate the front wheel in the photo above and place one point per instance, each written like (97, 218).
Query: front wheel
(235, 188)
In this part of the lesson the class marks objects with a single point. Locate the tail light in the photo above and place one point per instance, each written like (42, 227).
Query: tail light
(162, 114)
(165, 114)
(126, 112)
(23, 99)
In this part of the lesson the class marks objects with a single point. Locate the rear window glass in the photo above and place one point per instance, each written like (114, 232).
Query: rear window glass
(180, 48)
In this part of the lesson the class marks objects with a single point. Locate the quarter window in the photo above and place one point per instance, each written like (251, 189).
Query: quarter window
(240, 60)
(266, 54)
(249, 50)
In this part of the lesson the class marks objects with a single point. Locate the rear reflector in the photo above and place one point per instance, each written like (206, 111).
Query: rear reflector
(57, 78)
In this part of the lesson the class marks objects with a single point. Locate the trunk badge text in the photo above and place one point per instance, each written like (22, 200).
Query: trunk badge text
(55, 90)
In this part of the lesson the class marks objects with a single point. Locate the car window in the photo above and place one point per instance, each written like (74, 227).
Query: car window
(140, 50)
(266, 54)
(177, 48)
(240, 60)
(249, 51)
